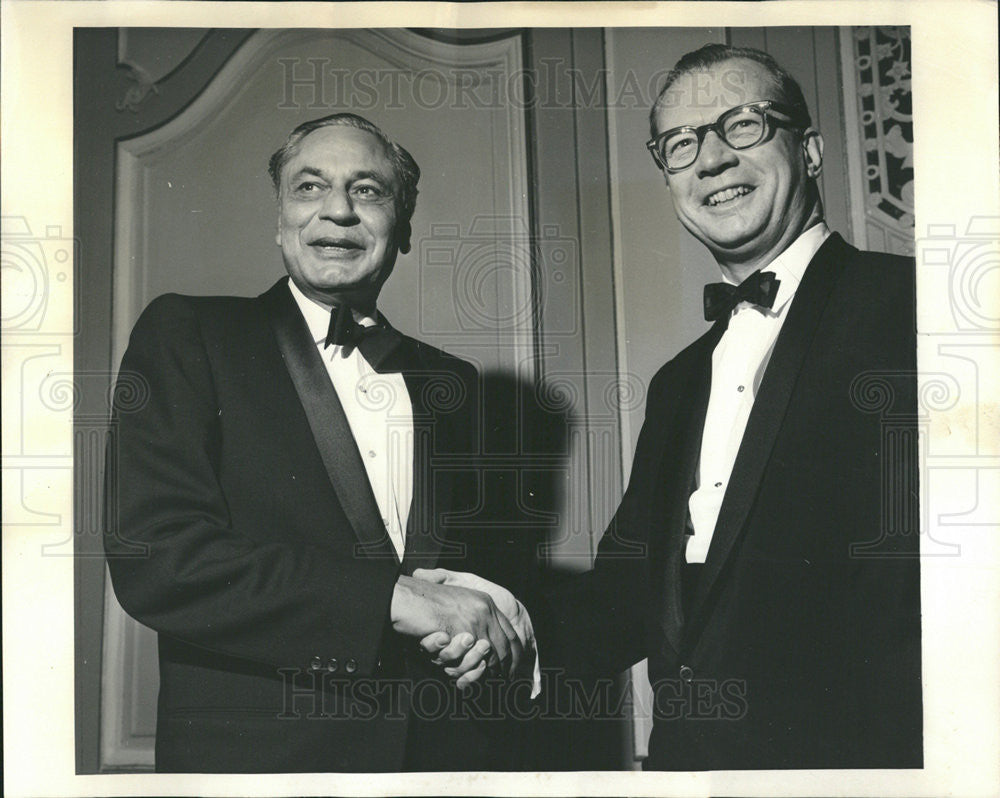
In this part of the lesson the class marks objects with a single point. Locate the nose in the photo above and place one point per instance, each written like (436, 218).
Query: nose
(338, 207)
(715, 155)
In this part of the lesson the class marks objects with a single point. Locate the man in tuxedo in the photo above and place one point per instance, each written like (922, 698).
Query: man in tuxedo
(273, 491)
(764, 558)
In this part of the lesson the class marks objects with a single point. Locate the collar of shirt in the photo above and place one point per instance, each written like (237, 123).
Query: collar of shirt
(789, 267)
(318, 317)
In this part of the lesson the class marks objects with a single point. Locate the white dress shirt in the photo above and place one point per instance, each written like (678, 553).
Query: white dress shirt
(738, 364)
(380, 415)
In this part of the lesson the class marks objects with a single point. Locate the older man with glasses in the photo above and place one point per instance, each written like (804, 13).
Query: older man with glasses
(764, 558)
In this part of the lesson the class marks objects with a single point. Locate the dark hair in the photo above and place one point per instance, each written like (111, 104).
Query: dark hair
(406, 169)
(788, 90)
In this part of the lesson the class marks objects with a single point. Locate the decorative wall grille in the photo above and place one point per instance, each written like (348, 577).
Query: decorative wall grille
(877, 81)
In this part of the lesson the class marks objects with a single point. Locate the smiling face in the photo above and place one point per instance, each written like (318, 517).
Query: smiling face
(337, 216)
(748, 205)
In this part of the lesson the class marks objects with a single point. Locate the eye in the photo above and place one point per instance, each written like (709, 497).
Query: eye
(679, 144)
(369, 191)
(307, 187)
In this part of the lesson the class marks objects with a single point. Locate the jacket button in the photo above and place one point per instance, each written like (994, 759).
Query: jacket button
(332, 665)
(316, 664)
(686, 673)
(351, 665)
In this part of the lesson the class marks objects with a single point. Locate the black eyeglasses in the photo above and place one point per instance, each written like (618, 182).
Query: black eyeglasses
(741, 127)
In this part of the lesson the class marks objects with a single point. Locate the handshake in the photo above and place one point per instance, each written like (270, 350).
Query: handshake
(468, 625)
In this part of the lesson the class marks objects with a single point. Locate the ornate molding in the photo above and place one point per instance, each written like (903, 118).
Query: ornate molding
(878, 106)
(140, 87)
(149, 56)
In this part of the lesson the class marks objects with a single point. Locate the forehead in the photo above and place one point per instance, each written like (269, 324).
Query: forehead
(699, 96)
(339, 149)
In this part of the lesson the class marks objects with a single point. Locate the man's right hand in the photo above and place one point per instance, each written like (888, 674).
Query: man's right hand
(420, 608)
(471, 668)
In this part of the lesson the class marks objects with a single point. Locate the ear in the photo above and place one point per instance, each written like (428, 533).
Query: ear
(812, 148)
(403, 233)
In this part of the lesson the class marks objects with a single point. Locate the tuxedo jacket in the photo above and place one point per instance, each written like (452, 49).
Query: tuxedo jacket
(799, 645)
(243, 529)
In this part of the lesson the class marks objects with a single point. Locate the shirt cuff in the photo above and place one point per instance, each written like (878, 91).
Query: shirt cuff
(530, 644)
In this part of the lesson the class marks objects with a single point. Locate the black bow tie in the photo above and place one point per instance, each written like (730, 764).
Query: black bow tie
(760, 288)
(375, 342)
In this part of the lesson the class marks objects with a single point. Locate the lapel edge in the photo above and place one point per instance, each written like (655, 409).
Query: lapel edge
(330, 429)
(426, 364)
(692, 416)
(769, 409)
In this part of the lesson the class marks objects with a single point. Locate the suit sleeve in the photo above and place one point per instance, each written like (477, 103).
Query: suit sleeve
(177, 562)
(593, 624)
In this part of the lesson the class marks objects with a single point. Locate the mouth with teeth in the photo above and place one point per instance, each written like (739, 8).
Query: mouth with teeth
(727, 195)
(335, 246)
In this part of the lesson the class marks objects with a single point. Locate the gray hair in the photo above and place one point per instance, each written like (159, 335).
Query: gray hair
(406, 169)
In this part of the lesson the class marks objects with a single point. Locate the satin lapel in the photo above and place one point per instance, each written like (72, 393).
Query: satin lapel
(427, 382)
(676, 473)
(769, 410)
(329, 425)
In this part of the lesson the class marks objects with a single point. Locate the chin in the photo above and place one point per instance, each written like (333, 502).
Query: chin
(335, 277)
(731, 241)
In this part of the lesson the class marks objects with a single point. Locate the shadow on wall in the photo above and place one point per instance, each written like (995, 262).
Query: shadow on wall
(525, 473)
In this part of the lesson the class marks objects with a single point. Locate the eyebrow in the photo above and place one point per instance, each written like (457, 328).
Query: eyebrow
(369, 174)
(307, 170)
(364, 174)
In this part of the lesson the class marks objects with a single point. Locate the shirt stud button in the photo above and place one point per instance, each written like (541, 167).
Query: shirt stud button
(371, 452)
(739, 388)
(718, 484)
